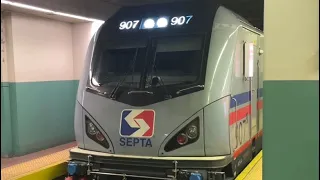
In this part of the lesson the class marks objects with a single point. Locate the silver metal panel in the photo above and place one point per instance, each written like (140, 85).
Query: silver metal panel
(246, 127)
(220, 57)
(85, 72)
(216, 132)
(78, 125)
(220, 71)
(170, 114)
(79, 122)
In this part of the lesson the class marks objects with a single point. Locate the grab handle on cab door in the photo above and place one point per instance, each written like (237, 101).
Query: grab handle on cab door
(235, 110)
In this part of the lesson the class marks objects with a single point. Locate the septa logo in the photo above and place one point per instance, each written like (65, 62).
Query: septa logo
(137, 123)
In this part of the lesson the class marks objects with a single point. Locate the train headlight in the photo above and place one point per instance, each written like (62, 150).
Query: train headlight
(95, 134)
(92, 130)
(187, 135)
(192, 131)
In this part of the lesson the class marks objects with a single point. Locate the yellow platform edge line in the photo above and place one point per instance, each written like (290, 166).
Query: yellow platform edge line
(47, 173)
(249, 167)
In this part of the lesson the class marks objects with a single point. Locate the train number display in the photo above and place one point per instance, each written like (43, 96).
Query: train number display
(180, 20)
(129, 24)
(155, 22)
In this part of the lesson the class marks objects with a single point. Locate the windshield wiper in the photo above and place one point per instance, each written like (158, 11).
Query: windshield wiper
(192, 87)
(157, 79)
(113, 92)
(140, 92)
(97, 90)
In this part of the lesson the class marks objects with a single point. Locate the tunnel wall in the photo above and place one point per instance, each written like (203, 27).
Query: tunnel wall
(44, 58)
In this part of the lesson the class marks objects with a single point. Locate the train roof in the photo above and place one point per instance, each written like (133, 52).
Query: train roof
(246, 23)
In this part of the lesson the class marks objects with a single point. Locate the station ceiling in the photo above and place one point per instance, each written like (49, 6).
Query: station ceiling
(252, 10)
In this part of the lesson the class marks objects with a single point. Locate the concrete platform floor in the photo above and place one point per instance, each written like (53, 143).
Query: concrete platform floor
(48, 162)
(7, 162)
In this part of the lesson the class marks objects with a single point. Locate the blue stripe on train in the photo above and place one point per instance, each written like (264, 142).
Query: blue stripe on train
(260, 92)
(244, 98)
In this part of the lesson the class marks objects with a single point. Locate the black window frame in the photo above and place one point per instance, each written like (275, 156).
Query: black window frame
(122, 92)
(202, 70)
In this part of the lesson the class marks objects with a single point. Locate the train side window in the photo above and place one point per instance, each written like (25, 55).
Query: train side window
(248, 59)
(238, 60)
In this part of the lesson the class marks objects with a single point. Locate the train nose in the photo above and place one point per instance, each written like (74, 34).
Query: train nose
(157, 130)
(143, 132)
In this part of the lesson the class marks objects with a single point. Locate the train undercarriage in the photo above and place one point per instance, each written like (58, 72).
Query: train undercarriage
(97, 167)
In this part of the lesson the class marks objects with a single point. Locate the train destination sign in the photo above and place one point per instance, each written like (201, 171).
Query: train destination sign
(155, 22)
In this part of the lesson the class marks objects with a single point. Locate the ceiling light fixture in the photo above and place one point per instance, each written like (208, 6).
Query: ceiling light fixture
(25, 6)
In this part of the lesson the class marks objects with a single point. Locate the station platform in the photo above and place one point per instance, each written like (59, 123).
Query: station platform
(43, 165)
(51, 164)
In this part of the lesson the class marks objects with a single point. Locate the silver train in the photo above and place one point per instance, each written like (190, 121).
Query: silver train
(170, 91)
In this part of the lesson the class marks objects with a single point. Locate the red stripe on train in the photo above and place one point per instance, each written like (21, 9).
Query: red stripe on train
(242, 113)
(239, 114)
(260, 104)
(241, 149)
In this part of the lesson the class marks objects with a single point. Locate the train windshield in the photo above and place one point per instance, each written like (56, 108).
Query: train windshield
(152, 52)
(176, 60)
(120, 62)
(128, 63)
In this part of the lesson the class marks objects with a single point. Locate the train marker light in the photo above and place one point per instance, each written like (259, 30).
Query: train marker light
(182, 139)
(162, 22)
(99, 136)
(149, 24)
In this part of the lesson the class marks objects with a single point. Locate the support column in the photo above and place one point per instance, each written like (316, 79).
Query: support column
(6, 123)
(291, 115)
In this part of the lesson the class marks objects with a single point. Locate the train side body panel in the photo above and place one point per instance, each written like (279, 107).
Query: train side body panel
(218, 82)
(246, 99)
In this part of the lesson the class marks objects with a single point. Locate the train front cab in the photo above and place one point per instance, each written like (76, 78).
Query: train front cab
(231, 117)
